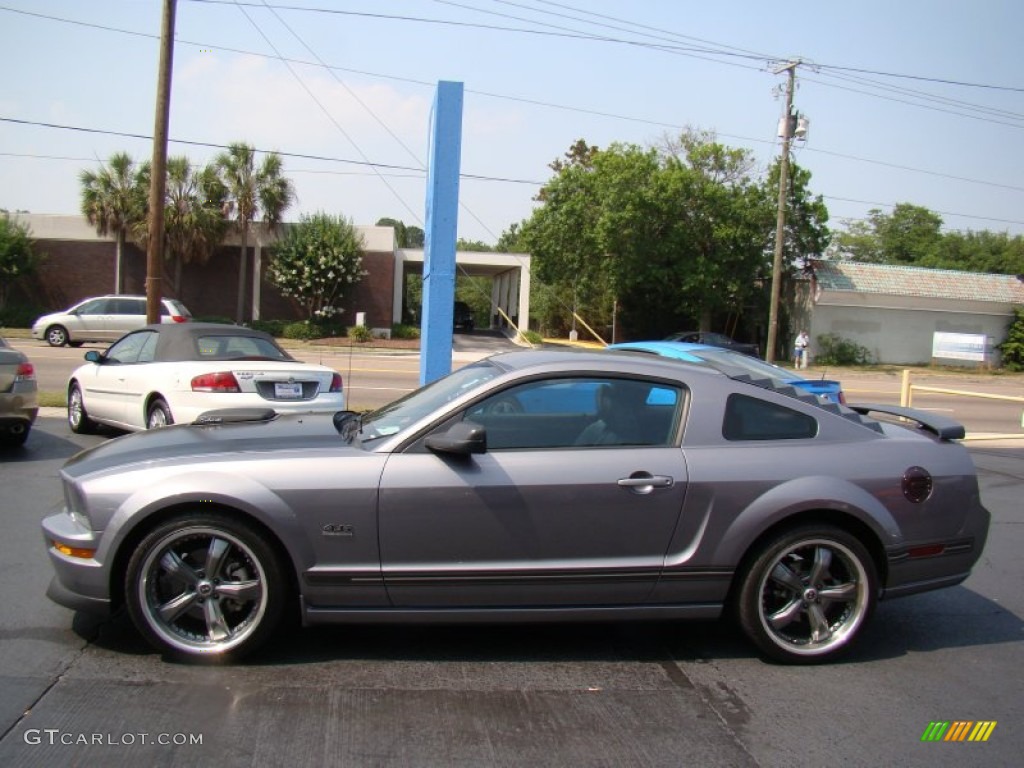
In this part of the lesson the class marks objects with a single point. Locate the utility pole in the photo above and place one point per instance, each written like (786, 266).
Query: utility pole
(158, 180)
(780, 223)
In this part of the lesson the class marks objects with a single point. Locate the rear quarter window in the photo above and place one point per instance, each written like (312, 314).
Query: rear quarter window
(750, 418)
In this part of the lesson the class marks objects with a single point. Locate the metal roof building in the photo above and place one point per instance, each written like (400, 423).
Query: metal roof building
(895, 311)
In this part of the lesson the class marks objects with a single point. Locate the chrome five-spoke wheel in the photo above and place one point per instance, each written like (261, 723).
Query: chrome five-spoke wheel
(807, 594)
(205, 586)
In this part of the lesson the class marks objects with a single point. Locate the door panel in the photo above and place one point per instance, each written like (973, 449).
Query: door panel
(528, 527)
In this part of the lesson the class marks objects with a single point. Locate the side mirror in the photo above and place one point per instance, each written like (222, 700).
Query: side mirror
(93, 356)
(463, 439)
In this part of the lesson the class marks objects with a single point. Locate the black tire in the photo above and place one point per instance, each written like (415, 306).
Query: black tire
(807, 593)
(14, 438)
(57, 336)
(158, 414)
(78, 417)
(190, 613)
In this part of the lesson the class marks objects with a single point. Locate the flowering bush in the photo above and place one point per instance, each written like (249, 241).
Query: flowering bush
(316, 261)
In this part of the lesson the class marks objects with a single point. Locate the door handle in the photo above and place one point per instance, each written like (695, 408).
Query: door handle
(644, 482)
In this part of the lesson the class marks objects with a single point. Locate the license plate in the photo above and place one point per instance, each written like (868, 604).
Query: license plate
(287, 391)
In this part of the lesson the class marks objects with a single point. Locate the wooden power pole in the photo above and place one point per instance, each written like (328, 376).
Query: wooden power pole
(780, 224)
(158, 180)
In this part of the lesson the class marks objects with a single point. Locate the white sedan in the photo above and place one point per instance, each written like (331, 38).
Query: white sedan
(162, 374)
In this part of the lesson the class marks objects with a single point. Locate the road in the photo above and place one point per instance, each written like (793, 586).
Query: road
(76, 691)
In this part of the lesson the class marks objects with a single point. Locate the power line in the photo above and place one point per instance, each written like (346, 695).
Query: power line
(536, 102)
(213, 145)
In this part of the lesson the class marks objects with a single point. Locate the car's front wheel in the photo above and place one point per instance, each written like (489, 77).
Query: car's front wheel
(158, 414)
(807, 593)
(78, 417)
(205, 587)
(56, 336)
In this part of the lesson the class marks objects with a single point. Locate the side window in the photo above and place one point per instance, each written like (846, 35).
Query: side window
(148, 351)
(94, 307)
(583, 412)
(749, 418)
(128, 349)
(128, 306)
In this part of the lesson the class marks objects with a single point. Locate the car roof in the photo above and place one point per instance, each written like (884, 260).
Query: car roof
(177, 341)
(600, 360)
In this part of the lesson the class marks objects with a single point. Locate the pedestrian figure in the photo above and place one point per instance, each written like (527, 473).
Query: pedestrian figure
(800, 350)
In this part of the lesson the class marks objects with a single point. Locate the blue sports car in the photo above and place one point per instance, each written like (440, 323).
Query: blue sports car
(737, 364)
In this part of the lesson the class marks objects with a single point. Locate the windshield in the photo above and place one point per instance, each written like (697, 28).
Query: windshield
(396, 416)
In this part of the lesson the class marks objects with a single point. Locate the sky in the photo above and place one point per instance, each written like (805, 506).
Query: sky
(916, 101)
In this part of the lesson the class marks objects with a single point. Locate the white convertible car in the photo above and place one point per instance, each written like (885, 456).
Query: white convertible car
(162, 374)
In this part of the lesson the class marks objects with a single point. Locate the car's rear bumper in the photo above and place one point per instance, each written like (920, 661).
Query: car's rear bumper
(936, 564)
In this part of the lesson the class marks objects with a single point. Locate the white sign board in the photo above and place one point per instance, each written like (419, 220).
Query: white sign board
(959, 346)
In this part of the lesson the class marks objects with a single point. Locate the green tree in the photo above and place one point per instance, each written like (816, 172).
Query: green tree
(909, 235)
(16, 257)
(315, 262)
(477, 246)
(561, 237)
(194, 223)
(510, 240)
(984, 251)
(807, 235)
(679, 233)
(252, 190)
(115, 200)
(857, 242)
(405, 236)
(1012, 348)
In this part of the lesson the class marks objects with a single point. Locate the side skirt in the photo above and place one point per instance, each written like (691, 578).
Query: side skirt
(320, 615)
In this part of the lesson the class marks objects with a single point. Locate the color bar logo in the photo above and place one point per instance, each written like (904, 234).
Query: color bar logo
(958, 730)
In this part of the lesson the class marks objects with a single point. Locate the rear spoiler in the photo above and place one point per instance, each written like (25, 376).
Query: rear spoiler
(942, 427)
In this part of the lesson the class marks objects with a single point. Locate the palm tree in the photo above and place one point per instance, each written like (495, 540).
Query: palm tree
(115, 200)
(250, 191)
(194, 223)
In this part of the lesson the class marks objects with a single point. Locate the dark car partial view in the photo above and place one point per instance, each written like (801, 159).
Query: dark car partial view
(19, 395)
(462, 317)
(535, 485)
(715, 340)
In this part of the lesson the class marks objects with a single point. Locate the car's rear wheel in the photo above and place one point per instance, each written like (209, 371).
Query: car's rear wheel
(807, 593)
(56, 336)
(78, 417)
(16, 435)
(205, 587)
(158, 414)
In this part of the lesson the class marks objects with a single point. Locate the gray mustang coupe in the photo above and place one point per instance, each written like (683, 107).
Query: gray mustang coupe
(531, 486)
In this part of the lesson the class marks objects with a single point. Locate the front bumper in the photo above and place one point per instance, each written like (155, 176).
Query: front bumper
(79, 583)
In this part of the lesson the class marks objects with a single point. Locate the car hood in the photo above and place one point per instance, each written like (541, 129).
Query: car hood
(212, 442)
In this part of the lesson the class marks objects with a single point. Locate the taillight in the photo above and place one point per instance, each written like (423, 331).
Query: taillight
(25, 372)
(336, 383)
(179, 319)
(216, 382)
(842, 397)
